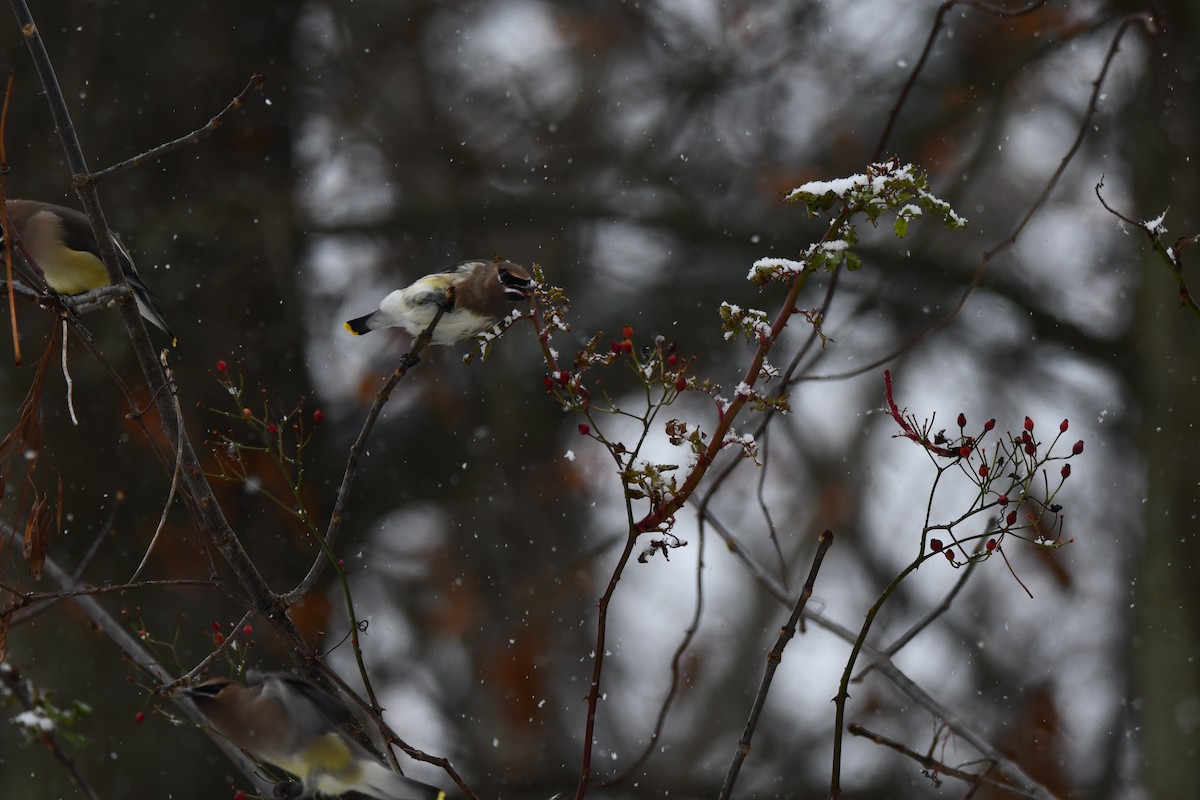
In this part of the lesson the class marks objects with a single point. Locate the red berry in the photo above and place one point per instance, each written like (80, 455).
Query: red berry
(626, 346)
(1077, 448)
(1031, 449)
(272, 429)
(1011, 519)
(218, 638)
(964, 452)
(1062, 427)
(1066, 471)
(615, 347)
(139, 717)
(949, 555)
(983, 470)
(548, 382)
(680, 383)
(962, 420)
(216, 626)
(584, 430)
(222, 366)
(1025, 437)
(991, 423)
(247, 412)
(564, 378)
(672, 360)
(935, 545)
(1028, 424)
(991, 545)
(247, 631)
(239, 795)
(627, 332)
(1002, 500)
(341, 562)
(318, 415)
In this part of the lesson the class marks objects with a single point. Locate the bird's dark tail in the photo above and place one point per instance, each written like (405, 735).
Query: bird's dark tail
(148, 308)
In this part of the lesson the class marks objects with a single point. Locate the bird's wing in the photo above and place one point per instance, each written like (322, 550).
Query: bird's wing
(310, 711)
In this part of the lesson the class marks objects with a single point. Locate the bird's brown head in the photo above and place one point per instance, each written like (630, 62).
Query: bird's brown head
(516, 280)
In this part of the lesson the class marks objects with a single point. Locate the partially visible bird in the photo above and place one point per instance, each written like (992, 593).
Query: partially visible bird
(286, 721)
(476, 295)
(61, 243)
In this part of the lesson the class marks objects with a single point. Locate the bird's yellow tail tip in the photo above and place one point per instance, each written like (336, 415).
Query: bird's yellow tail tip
(350, 328)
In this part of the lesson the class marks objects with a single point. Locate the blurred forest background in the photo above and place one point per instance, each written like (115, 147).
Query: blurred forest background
(639, 152)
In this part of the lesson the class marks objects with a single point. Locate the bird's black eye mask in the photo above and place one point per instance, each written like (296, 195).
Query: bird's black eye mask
(515, 287)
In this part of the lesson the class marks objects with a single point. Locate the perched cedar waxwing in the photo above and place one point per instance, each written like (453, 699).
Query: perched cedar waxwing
(61, 243)
(285, 721)
(477, 293)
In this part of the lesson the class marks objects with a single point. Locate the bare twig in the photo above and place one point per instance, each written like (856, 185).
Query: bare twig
(391, 737)
(1169, 255)
(676, 669)
(257, 81)
(593, 696)
(226, 643)
(17, 686)
(985, 260)
(162, 520)
(773, 660)
(939, 21)
(196, 486)
(12, 306)
(934, 767)
(410, 360)
(83, 598)
(67, 375)
(884, 666)
(928, 619)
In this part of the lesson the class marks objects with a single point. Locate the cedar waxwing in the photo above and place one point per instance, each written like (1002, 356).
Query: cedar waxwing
(61, 243)
(483, 293)
(289, 723)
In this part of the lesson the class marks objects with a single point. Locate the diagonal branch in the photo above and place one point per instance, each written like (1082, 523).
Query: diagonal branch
(410, 360)
(824, 542)
(257, 81)
(195, 485)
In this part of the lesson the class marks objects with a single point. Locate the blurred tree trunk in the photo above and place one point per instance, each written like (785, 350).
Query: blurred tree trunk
(1166, 641)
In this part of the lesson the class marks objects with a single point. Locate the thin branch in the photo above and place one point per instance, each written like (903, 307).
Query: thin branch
(773, 660)
(12, 305)
(1169, 255)
(676, 669)
(985, 260)
(67, 375)
(196, 486)
(929, 617)
(409, 360)
(883, 664)
(391, 737)
(162, 520)
(257, 81)
(226, 643)
(593, 696)
(933, 767)
(127, 643)
(17, 686)
(939, 21)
